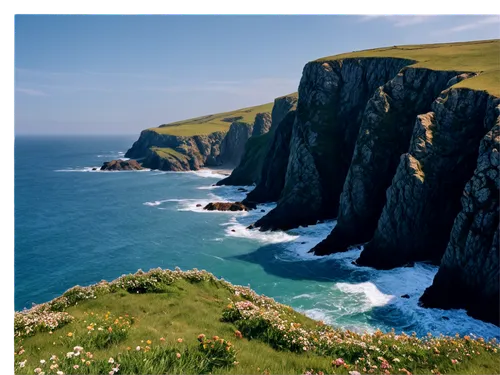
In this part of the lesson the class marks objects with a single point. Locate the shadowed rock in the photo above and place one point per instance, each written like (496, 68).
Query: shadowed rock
(332, 98)
(384, 135)
(468, 277)
(424, 197)
(121, 165)
(227, 206)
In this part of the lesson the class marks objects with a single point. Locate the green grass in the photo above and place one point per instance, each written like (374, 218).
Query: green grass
(153, 311)
(167, 153)
(212, 123)
(478, 56)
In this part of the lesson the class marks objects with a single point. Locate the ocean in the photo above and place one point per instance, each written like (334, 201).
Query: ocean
(75, 226)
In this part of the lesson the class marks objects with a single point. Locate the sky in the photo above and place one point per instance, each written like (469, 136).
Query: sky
(121, 74)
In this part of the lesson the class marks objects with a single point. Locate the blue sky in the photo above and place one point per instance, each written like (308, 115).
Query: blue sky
(121, 74)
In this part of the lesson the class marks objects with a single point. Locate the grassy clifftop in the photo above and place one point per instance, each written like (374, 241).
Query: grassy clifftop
(479, 56)
(190, 322)
(212, 123)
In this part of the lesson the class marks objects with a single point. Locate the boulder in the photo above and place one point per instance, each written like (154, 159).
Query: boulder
(121, 165)
(227, 206)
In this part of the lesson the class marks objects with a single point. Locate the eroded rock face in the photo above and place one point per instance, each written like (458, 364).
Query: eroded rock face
(468, 276)
(262, 124)
(121, 165)
(384, 135)
(273, 173)
(424, 197)
(332, 98)
(249, 170)
(233, 144)
(228, 206)
(200, 150)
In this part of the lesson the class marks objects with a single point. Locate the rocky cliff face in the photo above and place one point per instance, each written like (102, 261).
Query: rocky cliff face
(249, 171)
(424, 197)
(262, 124)
(199, 150)
(384, 135)
(332, 99)
(468, 276)
(272, 176)
(233, 144)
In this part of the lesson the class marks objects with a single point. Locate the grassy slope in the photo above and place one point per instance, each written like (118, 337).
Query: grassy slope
(184, 308)
(478, 56)
(212, 123)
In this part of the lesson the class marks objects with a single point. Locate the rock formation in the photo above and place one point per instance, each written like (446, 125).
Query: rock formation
(332, 99)
(121, 165)
(468, 275)
(233, 144)
(228, 206)
(249, 170)
(262, 124)
(198, 150)
(424, 197)
(384, 135)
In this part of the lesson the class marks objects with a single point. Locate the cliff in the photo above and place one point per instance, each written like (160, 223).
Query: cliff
(175, 153)
(194, 143)
(233, 144)
(468, 276)
(249, 170)
(387, 142)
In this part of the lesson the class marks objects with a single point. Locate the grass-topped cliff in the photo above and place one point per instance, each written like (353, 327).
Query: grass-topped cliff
(481, 57)
(192, 323)
(219, 122)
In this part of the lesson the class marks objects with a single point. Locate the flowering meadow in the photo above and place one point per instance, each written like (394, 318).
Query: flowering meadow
(180, 322)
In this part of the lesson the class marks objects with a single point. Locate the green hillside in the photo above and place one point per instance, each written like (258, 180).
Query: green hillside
(189, 322)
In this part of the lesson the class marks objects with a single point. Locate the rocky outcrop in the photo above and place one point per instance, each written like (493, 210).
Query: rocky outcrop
(262, 124)
(424, 197)
(384, 135)
(249, 171)
(468, 276)
(121, 165)
(199, 150)
(168, 159)
(228, 206)
(332, 99)
(272, 177)
(233, 144)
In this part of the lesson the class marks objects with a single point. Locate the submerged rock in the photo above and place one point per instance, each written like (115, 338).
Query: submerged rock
(121, 165)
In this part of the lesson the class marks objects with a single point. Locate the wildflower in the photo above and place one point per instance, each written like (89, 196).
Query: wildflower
(338, 362)
(23, 363)
(38, 370)
(111, 360)
(70, 334)
(354, 373)
(178, 355)
(396, 360)
(162, 339)
(236, 363)
(76, 367)
(385, 365)
(148, 342)
(138, 348)
(110, 329)
(87, 363)
(179, 340)
(70, 354)
(454, 361)
(201, 337)
(21, 352)
(238, 334)
(129, 348)
(60, 373)
(215, 338)
(53, 357)
(42, 361)
(111, 372)
(77, 349)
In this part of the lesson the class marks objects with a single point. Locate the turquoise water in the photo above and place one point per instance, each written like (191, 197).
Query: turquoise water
(78, 226)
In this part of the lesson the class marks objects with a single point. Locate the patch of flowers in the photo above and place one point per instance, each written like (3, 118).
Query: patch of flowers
(260, 317)
(39, 319)
(103, 331)
(210, 354)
